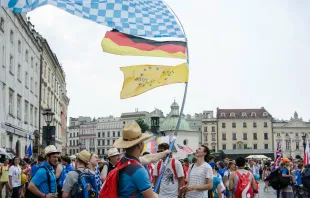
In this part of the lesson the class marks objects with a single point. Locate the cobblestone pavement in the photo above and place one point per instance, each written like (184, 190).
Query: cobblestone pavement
(269, 193)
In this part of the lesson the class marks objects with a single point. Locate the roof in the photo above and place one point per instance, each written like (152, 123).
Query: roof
(243, 113)
(171, 122)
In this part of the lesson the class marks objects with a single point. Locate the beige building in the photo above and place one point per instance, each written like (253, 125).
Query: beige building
(244, 129)
(209, 130)
(290, 135)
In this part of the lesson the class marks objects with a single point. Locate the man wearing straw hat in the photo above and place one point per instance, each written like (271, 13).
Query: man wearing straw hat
(133, 179)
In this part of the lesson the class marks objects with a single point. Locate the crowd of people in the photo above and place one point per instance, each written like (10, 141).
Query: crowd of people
(132, 174)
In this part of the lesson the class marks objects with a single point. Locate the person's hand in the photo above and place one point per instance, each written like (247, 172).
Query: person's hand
(186, 188)
(50, 195)
(167, 152)
(10, 188)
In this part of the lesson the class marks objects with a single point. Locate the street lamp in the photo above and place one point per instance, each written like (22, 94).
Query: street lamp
(48, 117)
(304, 141)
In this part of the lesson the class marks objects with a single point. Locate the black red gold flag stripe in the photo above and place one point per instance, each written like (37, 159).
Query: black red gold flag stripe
(115, 42)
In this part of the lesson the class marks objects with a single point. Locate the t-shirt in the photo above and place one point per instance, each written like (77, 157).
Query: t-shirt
(216, 182)
(4, 174)
(169, 184)
(70, 184)
(133, 178)
(15, 172)
(197, 176)
(298, 177)
(227, 173)
(40, 179)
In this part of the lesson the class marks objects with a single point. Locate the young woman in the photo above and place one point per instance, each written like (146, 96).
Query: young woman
(230, 169)
(266, 173)
(15, 173)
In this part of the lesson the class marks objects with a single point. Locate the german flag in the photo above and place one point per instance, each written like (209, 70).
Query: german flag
(115, 42)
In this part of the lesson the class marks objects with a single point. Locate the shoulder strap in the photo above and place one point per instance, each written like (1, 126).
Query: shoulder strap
(48, 177)
(237, 172)
(121, 166)
(173, 167)
(158, 167)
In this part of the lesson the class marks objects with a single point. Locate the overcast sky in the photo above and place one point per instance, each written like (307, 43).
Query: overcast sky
(243, 54)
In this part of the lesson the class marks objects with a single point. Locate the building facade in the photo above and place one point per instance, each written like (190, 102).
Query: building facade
(290, 135)
(244, 129)
(109, 129)
(87, 136)
(209, 133)
(19, 81)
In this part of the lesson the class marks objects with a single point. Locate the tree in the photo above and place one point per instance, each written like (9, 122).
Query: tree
(144, 127)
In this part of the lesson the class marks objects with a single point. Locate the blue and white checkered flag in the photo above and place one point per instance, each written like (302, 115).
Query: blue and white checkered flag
(149, 18)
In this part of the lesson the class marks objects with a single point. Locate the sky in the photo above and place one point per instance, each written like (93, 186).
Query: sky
(243, 54)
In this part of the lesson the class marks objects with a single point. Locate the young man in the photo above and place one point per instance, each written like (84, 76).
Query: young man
(200, 176)
(173, 178)
(70, 186)
(234, 179)
(114, 157)
(134, 178)
(39, 184)
(66, 161)
(4, 179)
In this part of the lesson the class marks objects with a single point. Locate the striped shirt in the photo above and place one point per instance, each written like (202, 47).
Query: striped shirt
(197, 176)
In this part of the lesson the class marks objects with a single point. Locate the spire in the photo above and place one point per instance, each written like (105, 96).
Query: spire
(295, 115)
(174, 109)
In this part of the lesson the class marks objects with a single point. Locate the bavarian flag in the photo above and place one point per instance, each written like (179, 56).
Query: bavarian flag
(142, 78)
(115, 42)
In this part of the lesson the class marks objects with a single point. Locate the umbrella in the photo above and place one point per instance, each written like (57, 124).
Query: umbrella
(3, 151)
(256, 157)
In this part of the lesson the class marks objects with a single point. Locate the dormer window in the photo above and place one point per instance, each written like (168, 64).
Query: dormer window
(243, 114)
(232, 114)
(222, 114)
(253, 114)
(265, 114)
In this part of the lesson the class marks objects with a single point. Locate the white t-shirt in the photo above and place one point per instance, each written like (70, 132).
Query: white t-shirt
(169, 184)
(15, 172)
(197, 176)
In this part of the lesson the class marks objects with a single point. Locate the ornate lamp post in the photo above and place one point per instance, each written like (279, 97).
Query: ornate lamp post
(48, 117)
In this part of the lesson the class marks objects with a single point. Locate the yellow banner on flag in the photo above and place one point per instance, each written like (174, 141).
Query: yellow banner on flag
(142, 78)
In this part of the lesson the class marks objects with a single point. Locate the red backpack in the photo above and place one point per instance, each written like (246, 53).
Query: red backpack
(244, 186)
(172, 165)
(110, 186)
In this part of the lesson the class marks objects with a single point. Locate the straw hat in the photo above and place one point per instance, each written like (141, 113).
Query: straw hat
(50, 149)
(132, 135)
(112, 152)
(84, 156)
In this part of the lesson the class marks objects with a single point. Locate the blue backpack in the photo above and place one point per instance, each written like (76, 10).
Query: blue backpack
(87, 186)
(62, 177)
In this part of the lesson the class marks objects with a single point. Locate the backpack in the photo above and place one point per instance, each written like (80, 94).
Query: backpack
(62, 177)
(244, 187)
(172, 165)
(86, 186)
(30, 194)
(276, 181)
(305, 178)
(110, 186)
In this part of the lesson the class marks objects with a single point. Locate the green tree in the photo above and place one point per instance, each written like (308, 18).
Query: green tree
(144, 127)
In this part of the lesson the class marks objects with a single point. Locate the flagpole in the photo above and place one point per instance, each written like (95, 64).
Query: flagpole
(161, 173)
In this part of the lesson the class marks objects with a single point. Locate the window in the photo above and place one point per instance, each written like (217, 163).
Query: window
(119, 134)
(36, 68)
(49, 75)
(11, 102)
(18, 106)
(223, 125)
(232, 114)
(245, 146)
(254, 124)
(296, 134)
(213, 137)
(108, 142)
(31, 84)
(113, 134)
(265, 124)
(31, 62)
(43, 95)
(254, 146)
(2, 24)
(297, 145)
(26, 112)
(223, 136)
(213, 129)
(35, 88)
(44, 71)
(234, 146)
(70, 135)
(98, 134)
(19, 46)
(35, 117)
(11, 69)
(254, 136)
(245, 136)
(205, 129)
(108, 133)
(98, 144)
(224, 147)
(265, 114)
(233, 125)
(253, 114)
(286, 134)
(266, 146)
(12, 36)
(244, 125)
(278, 134)
(222, 114)
(70, 142)
(234, 136)
(31, 114)
(18, 72)
(205, 137)
(287, 144)
(26, 56)
(3, 56)
(265, 136)
(48, 98)
(243, 114)
(26, 80)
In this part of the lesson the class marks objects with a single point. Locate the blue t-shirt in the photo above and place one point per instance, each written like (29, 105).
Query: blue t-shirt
(69, 168)
(216, 182)
(34, 169)
(298, 177)
(222, 171)
(133, 178)
(40, 179)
